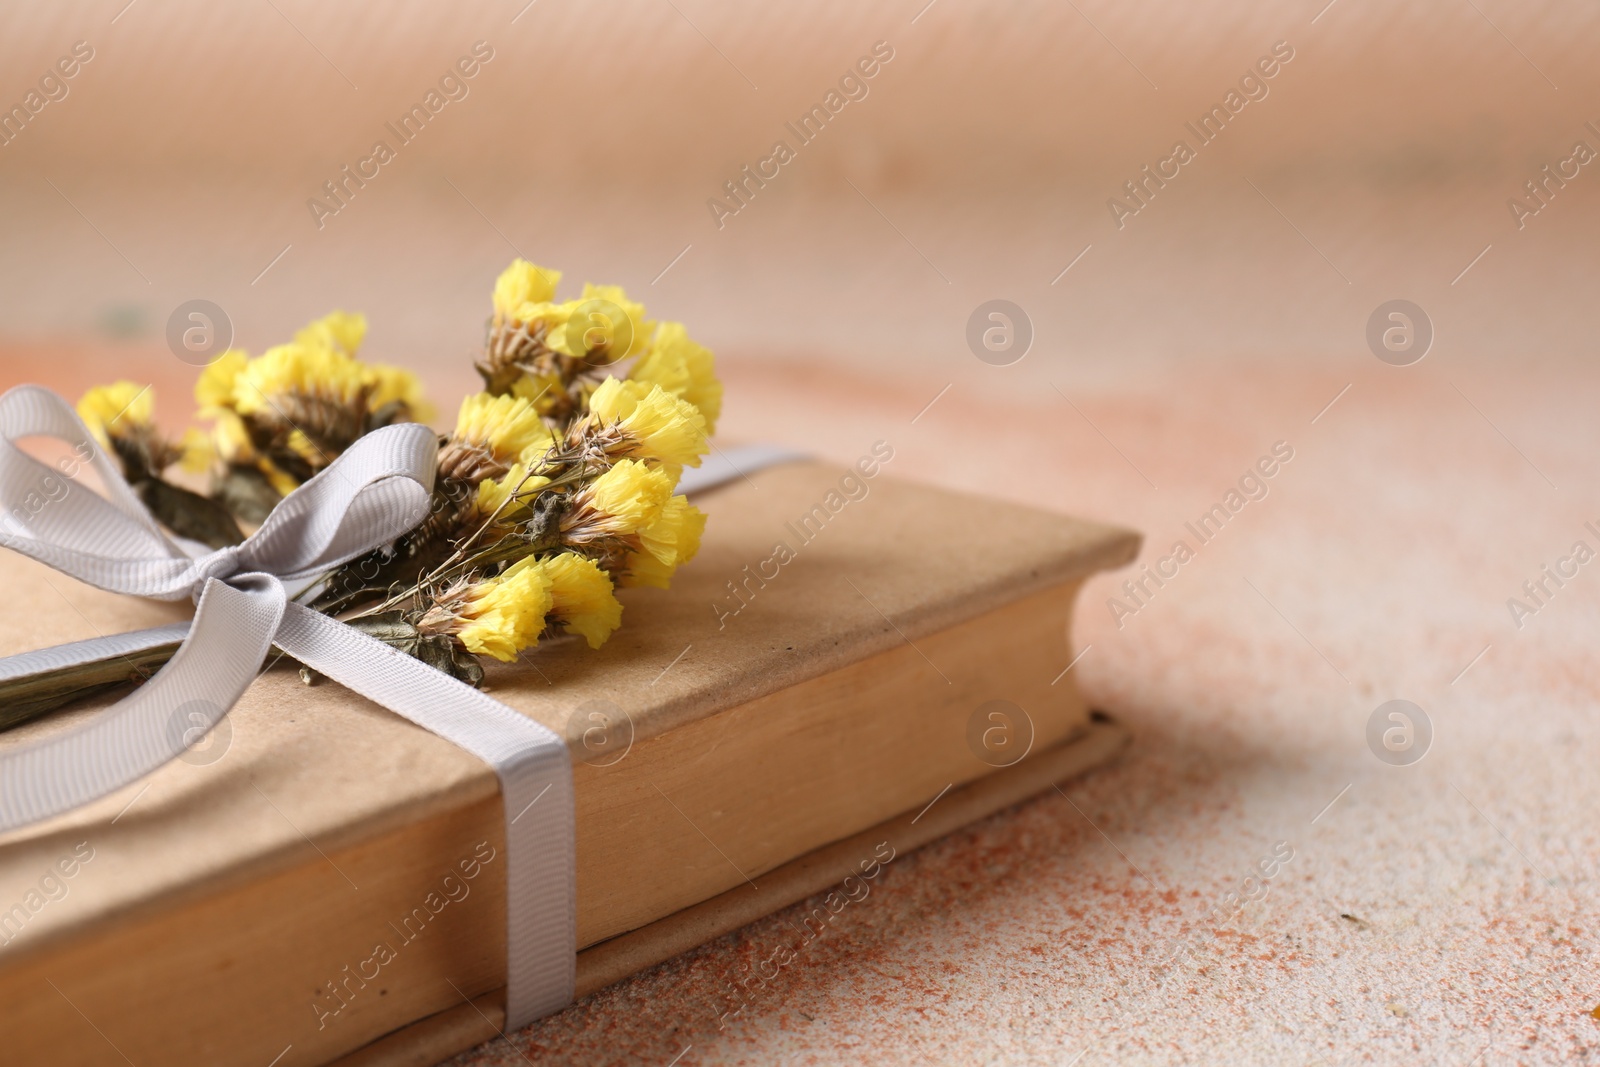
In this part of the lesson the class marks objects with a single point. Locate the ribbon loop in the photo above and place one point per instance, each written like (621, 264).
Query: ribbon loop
(124, 525)
(365, 499)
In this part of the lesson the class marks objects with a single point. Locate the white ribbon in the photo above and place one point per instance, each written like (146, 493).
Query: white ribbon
(372, 494)
(741, 461)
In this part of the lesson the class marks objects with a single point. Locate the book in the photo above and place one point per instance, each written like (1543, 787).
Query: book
(849, 656)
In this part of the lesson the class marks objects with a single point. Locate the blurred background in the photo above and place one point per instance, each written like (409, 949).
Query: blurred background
(1388, 156)
(978, 165)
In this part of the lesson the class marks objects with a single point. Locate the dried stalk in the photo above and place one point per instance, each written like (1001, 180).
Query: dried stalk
(32, 696)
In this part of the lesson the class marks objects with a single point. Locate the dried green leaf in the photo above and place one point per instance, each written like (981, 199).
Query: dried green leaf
(189, 515)
(391, 628)
(246, 493)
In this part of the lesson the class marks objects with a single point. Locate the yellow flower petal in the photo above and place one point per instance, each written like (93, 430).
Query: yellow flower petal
(117, 409)
(684, 369)
(507, 427)
(306, 448)
(342, 331)
(297, 369)
(631, 496)
(391, 384)
(662, 427)
(523, 283)
(231, 438)
(507, 614)
(214, 389)
(280, 480)
(668, 543)
(581, 597)
(540, 390)
(554, 316)
(604, 319)
(494, 495)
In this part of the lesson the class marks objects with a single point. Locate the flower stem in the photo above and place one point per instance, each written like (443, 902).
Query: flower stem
(31, 696)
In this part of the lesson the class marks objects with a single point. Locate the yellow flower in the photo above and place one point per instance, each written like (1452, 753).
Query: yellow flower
(581, 597)
(280, 480)
(661, 426)
(391, 384)
(607, 318)
(314, 365)
(629, 496)
(642, 327)
(214, 389)
(117, 410)
(522, 283)
(306, 448)
(231, 437)
(554, 316)
(684, 369)
(540, 390)
(507, 427)
(666, 544)
(494, 495)
(342, 331)
(504, 615)
(297, 370)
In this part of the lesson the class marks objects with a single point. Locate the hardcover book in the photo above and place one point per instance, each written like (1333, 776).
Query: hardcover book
(852, 666)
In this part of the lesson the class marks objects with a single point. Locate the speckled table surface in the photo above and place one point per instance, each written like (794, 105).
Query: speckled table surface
(1435, 908)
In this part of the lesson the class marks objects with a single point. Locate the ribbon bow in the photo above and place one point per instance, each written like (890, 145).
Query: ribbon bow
(372, 494)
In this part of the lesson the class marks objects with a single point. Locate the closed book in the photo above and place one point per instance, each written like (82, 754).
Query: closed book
(851, 665)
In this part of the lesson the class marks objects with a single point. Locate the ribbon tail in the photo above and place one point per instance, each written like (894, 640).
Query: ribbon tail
(739, 461)
(94, 650)
(535, 772)
(230, 637)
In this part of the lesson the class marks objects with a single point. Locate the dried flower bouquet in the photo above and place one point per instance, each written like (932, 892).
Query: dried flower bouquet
(555, 487)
